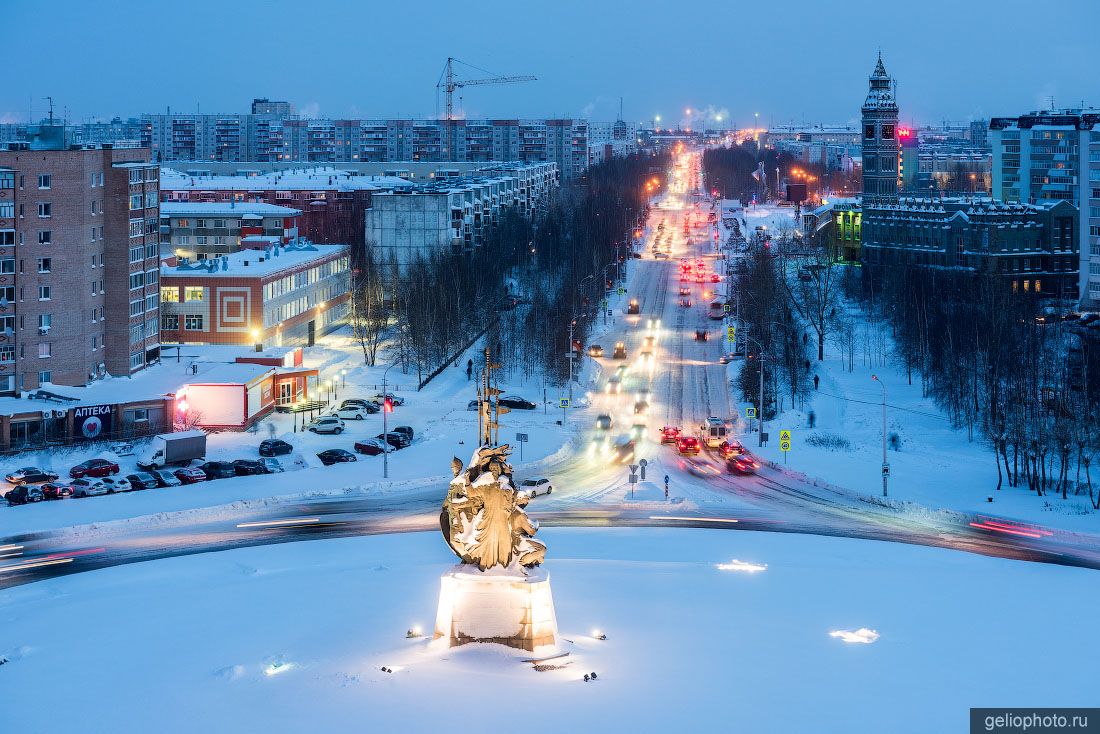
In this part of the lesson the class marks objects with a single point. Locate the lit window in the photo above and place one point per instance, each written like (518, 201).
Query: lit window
(193, 293)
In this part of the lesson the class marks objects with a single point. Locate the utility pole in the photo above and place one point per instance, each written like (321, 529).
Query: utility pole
(885, 465)
(572, 323)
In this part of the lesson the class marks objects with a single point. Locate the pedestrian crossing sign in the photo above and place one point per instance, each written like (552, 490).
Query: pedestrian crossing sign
(564, 403)
(750, 412)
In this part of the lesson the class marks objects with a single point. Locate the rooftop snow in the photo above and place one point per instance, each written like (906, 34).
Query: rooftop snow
(234, 265)
(311, 179)
(226, 208)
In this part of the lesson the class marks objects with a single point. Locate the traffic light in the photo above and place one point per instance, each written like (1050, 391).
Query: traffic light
(387, 405)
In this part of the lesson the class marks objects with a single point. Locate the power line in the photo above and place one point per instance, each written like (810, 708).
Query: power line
(888, 405)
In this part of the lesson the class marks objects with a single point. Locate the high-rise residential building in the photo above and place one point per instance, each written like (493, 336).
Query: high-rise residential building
(265, 106)
(880, 140)
(1055, 156)
(79, 261)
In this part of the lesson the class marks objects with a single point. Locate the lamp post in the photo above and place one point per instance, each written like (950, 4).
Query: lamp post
(760, 405)
(885, 465)
(257, 341)
(385, 427)
(343, 378)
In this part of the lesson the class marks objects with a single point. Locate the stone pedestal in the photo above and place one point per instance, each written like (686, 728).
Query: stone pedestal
(507, 606)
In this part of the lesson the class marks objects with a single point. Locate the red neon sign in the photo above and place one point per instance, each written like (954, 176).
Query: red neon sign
(904, 132)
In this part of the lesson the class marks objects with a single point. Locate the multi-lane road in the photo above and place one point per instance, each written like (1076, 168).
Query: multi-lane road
(684, 385)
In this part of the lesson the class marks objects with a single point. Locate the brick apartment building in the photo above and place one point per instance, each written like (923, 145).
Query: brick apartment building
(79, 240)
(277, 296)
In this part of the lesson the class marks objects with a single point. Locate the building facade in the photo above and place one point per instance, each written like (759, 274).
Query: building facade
(1055, 156)
(280, 296)
(198, 230)
(79, 231)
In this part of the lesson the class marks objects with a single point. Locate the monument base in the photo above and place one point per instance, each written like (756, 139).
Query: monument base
(512, 607)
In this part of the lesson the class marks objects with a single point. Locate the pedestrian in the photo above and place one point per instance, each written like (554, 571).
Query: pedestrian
(469, 369)
(811, 419)
(817, 380)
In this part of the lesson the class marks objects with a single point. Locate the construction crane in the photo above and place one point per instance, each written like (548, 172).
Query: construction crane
(449, 83)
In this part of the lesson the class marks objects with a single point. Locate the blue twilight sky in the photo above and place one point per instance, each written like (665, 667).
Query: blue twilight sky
(790, 61)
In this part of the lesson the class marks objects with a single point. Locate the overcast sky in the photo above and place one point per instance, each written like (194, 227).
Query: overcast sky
(790, 61)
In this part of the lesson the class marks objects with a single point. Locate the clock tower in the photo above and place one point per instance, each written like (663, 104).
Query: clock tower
(880, 140)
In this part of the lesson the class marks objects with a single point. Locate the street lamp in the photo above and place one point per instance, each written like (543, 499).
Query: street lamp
(760, 405)
(257, 341)
(385, 424)
(343, 378)
(885, 465)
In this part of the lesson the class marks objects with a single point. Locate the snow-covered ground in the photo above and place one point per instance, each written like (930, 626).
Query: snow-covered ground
(292, 638)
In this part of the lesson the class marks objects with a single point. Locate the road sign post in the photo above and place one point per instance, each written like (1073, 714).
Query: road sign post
(785, 444)
(642, 465)
(521, 438)
(633, 478)
(564, 402)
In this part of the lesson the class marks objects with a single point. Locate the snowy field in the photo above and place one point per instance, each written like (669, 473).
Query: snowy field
(292, 638)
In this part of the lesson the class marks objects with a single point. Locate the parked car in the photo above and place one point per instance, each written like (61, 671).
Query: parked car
(368, 405)
(472, 405)
(670, 434)
(56, 490)
(370, 447)
(94, 468)
(272, 465)
(248, 467)
(350, 413)
(595, 350)
(380, 397)
(326, 424)
(89, 487)
(190, 475)
(116, 484)
(166, 478)
(742, 464)
(123, 448)
(30, 475)
(516, 402)
(395, 439)
(535, 487)
(142, 480)
(688, 445)
(335, 456)
(407, 430)
(218, 470)
(274, 447)
(24, 494)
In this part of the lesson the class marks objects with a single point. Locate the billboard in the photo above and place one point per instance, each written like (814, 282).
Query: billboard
(796, 192)
(93, 421)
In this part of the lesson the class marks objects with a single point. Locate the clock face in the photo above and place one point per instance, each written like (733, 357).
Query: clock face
(887, 132)
(869, 132)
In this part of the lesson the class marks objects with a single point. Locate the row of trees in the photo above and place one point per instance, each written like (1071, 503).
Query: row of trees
(522, 287)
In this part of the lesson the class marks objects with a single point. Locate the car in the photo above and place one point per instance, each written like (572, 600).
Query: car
(24, 494)
(685, 303)
(615, 384)
(326, 424)
(393, 398)
(56, 490)
(274, 447)
(685, 291)
(89, 487)
(368, 405)
(123, 448)
(141, 480)
(30, 475)
(166, 478)
(516, 402)
(595, 351)
(646, 358)
(336, 456)
(638, 430)
(603, 422)
(742, 464)
(633, 307)
(190, 475)
(248, 467)
(715, 278)
(687, 445)
(622, 450)
(535, 487)
(730, 447)
(114, 484)
(218, 470)
(641, 407)
(701, 335)
(725, 359)
(371, 446)
(272, 465)
(352, 413)
(620, 351)
(94, 468)
(660, 255)
(407, 430)
(395, 439)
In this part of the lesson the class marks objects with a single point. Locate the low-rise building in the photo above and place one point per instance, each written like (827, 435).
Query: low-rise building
(198, 230)
(279, 295)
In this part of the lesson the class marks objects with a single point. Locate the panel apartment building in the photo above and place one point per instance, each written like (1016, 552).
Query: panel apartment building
(270, 137)
(1055, 156)
(79, 261)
